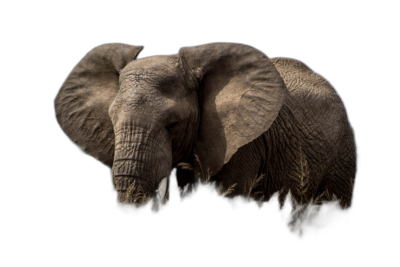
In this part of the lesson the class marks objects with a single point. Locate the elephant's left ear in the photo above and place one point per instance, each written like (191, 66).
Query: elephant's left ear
(240, 93)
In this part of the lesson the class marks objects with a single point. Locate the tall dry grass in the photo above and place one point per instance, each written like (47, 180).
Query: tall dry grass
(304, 212)
(306, 206)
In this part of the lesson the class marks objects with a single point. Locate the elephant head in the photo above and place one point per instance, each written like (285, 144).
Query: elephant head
(144, 116)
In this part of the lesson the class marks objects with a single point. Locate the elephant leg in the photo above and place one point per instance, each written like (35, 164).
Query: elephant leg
(339, 184)
(242, 175)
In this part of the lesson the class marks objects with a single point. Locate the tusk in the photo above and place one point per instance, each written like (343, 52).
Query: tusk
(173, 188)
(185, 166)
(162, 189)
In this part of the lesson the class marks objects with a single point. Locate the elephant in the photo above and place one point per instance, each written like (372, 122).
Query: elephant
(219, 112)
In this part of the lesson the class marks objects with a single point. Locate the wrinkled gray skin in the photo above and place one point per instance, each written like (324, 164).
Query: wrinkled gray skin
(253, 125)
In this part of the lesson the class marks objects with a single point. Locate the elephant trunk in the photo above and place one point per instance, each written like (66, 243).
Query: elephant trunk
(140, 163)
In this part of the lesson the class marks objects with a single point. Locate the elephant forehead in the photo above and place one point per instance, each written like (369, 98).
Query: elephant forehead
(152, 69)
(147, 102)
(152, 87)
(167, 79)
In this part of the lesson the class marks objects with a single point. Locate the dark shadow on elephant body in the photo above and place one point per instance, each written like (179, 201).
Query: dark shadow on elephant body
(265, 166)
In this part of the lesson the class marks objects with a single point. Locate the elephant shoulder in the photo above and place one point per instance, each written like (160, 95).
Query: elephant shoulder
(315, 102)
(309, 90)
(301, 80)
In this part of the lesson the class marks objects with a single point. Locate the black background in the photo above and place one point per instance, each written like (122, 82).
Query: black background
(72, 207)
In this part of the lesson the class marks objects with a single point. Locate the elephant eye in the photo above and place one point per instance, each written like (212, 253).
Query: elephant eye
(171, 127)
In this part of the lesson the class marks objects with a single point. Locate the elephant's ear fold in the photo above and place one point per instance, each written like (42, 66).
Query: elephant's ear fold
(240, 93)
(83, 100)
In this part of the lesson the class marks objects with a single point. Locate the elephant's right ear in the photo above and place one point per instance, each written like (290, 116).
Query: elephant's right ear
(83, 100)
